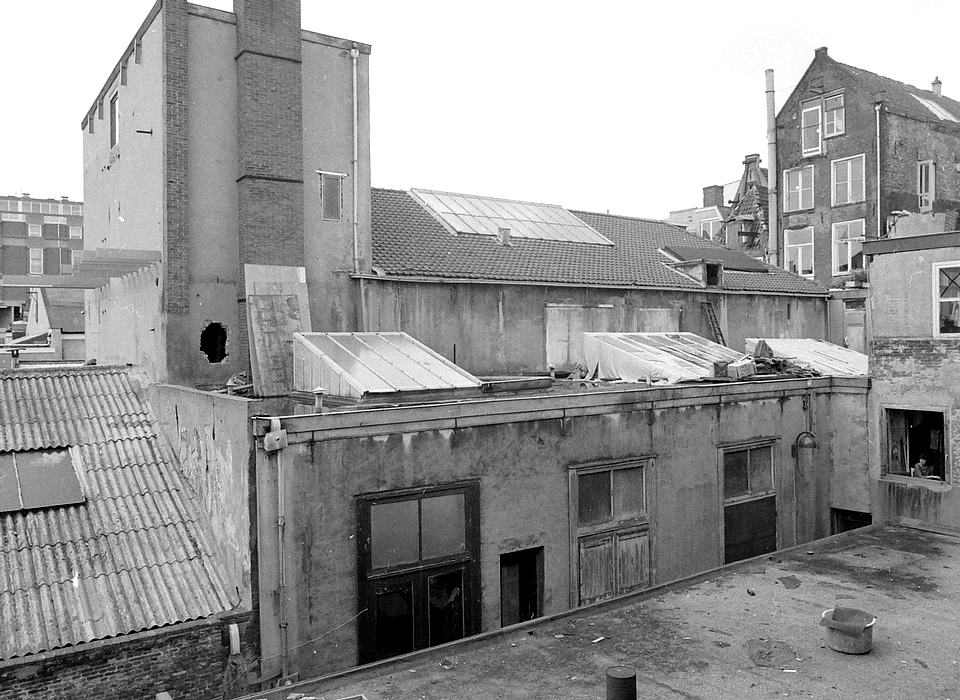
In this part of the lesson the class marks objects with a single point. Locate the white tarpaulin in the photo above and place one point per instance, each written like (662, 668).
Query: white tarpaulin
(826, 358)
(653, 357)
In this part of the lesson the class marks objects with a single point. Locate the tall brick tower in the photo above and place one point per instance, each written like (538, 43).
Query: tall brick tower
(269, 137)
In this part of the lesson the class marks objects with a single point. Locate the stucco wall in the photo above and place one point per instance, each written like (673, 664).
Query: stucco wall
(901, 297)
(523, 464)
(499, 329)
(210, 434)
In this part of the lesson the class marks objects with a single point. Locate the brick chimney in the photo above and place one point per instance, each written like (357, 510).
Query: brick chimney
(935, 86)
(713, 196)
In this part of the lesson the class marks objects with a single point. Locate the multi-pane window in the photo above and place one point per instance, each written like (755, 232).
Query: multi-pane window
(710, 229)
(847, 246)
(114, 119)
(747, 473)
(848, 185)
(76, 232)
(410, 531)
(833, 115)
(798, 189)
(811, 142)
(947, 295)
(331, 196)
(610, 495)
(36, 261)
(798, 244)
(34, 230)
(925, 184)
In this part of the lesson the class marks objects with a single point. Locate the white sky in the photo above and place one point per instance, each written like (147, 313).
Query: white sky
(599, 106)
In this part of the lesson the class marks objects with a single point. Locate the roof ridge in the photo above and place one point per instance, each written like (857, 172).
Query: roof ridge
(627, 216)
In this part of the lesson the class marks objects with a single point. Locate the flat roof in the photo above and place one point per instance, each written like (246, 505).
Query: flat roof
(748, 630)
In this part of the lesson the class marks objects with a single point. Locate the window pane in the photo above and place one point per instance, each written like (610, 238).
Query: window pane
(761, 469)
(331, 197)
(594, 498)
(47, 478)
(949, 281)
(628, 496)
(735, 474)
(799, 236)
(394, 533)
(444, 525)
(949, 317)
(445, 592)
(9, 491)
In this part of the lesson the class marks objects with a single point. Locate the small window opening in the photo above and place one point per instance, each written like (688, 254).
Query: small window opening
(213, 343)
(713, 275)
(915, 443)
(845, 520)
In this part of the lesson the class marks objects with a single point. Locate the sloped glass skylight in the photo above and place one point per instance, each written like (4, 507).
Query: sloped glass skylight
(464, 213)
(38, 479)
(937, 110)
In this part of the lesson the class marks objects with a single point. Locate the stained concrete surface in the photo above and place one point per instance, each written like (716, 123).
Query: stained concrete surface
(748, 631)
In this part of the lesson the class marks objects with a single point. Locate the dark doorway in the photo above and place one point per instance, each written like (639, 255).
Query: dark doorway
(213, 343)
(750, 503)
(521, 586)
(394, 618)
(844, 520)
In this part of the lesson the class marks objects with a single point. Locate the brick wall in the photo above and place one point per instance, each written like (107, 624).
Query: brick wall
(190, 662)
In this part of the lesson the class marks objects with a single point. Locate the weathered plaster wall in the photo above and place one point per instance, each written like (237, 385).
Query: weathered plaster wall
(498, 329)
(523, 466)
(902, 295)
(210, 433)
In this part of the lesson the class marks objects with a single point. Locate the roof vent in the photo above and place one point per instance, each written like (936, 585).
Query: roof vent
(503, 235)
(935, 86)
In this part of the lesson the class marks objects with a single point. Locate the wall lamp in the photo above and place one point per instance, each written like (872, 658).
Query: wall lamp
(805, 441)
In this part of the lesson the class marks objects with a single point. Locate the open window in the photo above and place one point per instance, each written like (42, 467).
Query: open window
(916, 443)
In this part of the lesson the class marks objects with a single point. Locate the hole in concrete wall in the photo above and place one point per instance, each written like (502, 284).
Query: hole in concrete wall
(213, 342)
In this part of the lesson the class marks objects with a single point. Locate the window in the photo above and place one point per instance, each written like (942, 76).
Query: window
(34, 229)
(946, 292)
(848, 183)
(847, 246)
(611, 544)
(76, 232)
(798, 244)
(76, 257)
(833, 115)
(711, 229)
(36, 261)
(798, 189)
(916, 443)
(114, 119)
(749, 502)
(926, 176)
(38, 479)
(331, 196)
(810, 129)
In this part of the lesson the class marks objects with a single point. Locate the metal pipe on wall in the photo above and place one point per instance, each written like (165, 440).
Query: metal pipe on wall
(354, 57)
(773, 229)
(876, 108)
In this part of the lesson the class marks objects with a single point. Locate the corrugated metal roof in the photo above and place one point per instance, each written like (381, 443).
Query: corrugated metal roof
(358, 364)
(135, 555)
(656, 357)
(826, 358)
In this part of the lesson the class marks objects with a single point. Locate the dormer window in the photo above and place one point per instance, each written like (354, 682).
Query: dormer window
(713, 274)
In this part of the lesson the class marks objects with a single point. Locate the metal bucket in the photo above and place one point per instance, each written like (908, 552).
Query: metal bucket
(847, 643)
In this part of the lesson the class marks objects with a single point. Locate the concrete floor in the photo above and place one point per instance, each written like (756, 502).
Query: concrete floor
(749, 631)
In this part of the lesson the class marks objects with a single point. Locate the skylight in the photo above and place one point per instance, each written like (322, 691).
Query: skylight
(38, 479)
(506, 218)
(939, 111)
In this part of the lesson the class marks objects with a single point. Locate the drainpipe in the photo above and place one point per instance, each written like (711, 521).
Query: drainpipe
(354, 58)
(773, 228)
(877, 107)
(275, 441)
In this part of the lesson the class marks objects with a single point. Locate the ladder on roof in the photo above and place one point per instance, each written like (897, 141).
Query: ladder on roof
(711, 313)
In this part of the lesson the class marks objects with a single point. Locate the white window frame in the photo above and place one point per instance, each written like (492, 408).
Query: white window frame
(835, 126)
(809, 108)
(710, 233)
(799, 190)
(36, 261)
(76, 232)
(35, 230)
(799, 246)
(926, 186)
(114, 119)
(851, 196)
(833, 245)
(937, 299)
(321, 176)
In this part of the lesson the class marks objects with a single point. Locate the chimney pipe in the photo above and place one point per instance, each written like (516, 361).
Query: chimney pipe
(773, 235)
(935, 86)
(713, 196)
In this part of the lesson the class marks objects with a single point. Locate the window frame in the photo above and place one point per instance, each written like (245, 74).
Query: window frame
(926, 197)
(115, 119)
(807, 107)
(853, 197)
(800, 190)
(887, 443)
(38, 252)
(710, 233)
(835, 268)
(938, 299)
(35, 230)
(811, 244)
(322, 176)
(756, 444)
(614, 523)
(842, 110)
(76, 232)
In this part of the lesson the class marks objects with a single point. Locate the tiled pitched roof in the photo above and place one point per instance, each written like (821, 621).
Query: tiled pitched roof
(135, 555)
(900, 95)
(752, 206)
(409, 242)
